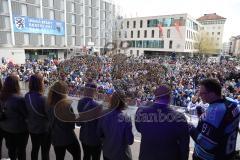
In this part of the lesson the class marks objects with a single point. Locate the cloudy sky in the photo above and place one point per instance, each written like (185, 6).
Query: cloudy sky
(229, 9)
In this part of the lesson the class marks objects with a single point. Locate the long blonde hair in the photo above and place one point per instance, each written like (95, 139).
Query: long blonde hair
(57, 92)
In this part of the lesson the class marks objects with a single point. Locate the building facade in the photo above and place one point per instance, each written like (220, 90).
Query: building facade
(164, 35)
(226, 48)
(53, 28)
(213, 25)
(234, 48)
(159, 35)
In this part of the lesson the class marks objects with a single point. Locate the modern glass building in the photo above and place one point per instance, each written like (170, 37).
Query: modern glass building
(167, 34)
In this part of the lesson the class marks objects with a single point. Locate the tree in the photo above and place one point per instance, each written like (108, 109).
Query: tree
(206, 44)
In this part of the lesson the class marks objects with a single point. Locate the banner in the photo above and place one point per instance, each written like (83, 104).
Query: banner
(160, 29)
(38, 25)
(177, 24)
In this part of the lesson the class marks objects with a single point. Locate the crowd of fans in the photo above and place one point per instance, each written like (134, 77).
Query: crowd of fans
(122, 81)
(138, 77)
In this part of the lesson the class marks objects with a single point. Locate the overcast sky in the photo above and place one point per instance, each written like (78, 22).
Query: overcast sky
(229, 9)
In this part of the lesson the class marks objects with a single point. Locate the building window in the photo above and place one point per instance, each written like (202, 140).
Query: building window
(138, 34)
(170, 44)
(72, 6)
(127, 24)
(137, 52)
(172, 21)
(26, 39)
(119, 34)
(73, 30)
(152, 23)
(168, 33)
(134, 24)
(125, 34)
(153, 44)
(24, 9)
(141, 24)
(139, 44)
(181, 20)
(219, 33)
(213, 33)
(131, 34)
(121, 25)
(51, 4)
(145, 33)
(152, 33)
(73, 19)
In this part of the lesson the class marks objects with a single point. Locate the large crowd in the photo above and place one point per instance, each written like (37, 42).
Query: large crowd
(138, 77)
(45, 113)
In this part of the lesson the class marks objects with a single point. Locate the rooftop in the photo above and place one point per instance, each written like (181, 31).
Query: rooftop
(211, 16)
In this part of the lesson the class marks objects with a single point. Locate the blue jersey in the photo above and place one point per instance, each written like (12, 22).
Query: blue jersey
(216, 134)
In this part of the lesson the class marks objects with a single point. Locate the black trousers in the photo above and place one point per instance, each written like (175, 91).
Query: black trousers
(104, 158)
(74, 149)
(16, 144)
(91, 152)
(1, 139)
(42, 140)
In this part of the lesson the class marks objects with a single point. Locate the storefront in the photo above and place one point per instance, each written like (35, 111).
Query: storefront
(41, 54)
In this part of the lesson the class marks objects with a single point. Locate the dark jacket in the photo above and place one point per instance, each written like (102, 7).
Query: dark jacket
(88, 131)
(116, 131)
(62, 133)
(37, 117)
(164, 133)
(16, 114)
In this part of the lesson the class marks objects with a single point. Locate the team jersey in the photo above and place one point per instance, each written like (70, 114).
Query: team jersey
(216, 133)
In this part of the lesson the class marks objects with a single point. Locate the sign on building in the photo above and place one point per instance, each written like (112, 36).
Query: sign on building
(38, 25)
